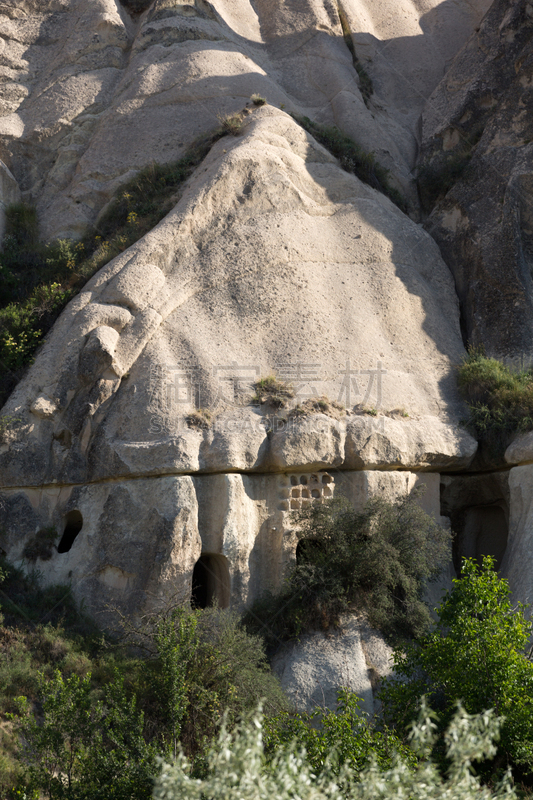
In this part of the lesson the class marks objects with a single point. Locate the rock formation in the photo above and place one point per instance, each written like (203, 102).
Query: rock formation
(478, 128)
(273, 261)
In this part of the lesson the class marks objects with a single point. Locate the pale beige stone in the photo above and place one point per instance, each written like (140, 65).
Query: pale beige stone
(43, 407)
(520, 451)
(141, 538)
(328, 273)
(102, 94)
(135, 286)
(313, 669)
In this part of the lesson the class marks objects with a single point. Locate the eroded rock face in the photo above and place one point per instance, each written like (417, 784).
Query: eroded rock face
(354, 656)
(92, 94)
(134, 544)
(481, 115)
(518, 562)
(275, 259)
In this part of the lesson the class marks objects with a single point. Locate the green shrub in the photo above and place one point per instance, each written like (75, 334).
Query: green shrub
(172, 688)
(41, 545)
(88, 747)
(348, 732)
(353, 158)
(24, 601)
(237, 770)
(477, 655)
(377, 560)
(201, 664)
(500, 399)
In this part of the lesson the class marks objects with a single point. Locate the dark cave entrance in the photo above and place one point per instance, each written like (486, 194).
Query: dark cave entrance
(211, 583)
(483, 532)
(73, 525)
(478, 507)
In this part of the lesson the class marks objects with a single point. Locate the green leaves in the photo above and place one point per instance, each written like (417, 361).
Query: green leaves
(236, 769)
(86, 746)
(176, 639)
(377, 560)
(476, 655)
(335, 738)
(500, 399)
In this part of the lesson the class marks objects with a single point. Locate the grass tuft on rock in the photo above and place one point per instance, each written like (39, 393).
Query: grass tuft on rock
(317, 405)
(499, 398)
(272, 391)
(353, 158)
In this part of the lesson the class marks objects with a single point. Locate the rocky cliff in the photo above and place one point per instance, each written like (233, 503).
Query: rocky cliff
(273, 261)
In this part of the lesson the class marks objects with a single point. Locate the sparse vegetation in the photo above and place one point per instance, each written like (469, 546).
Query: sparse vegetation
(375, 561)
(370, 411)
(318, 405)
(232, 123)
(499, 397)
(37, 280)
(41, 545)
(397, 413)
(201, 419)
(272, 391)
(257, 100)
(7, 423)
(353, 158)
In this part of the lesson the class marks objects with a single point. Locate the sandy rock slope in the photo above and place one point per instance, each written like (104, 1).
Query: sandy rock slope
(91, 94)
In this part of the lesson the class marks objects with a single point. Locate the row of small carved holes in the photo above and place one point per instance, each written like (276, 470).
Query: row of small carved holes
(304, 488)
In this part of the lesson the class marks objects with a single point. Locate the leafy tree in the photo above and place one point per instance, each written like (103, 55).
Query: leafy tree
(378, 560)
(176, 640)
(87, 748)
(201, 664)
(475, 654)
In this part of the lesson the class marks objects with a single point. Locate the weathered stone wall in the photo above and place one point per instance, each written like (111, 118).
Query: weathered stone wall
(141, 538)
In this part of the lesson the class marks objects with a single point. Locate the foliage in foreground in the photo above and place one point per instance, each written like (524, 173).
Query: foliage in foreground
(500, 399)
(96, 710)
(238, 770)
(332, 739)
(377, 560)
(475, 654)
(86, 745)
(353, 158)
